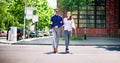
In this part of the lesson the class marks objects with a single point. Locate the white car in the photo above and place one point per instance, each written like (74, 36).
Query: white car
(39, 34)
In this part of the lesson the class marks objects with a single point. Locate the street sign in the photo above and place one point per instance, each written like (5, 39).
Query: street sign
(29, 16)
(35, 18)
(29, 13)
(30, 8)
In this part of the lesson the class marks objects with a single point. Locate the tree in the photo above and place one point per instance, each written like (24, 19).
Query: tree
(44, 11)
(16, 8)
(6, 16)
(12, 13)
(3, 11)
(73, 5)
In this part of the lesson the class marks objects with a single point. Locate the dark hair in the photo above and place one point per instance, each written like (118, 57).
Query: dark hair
(69, 18)
(56, 10)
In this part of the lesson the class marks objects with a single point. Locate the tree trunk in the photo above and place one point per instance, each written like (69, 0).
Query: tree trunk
(78, 18)
(78, 14)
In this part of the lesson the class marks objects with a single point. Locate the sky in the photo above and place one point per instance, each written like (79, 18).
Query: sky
(53, 3)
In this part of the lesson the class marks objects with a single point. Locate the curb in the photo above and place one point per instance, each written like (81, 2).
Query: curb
(25, 43)
(16, 43)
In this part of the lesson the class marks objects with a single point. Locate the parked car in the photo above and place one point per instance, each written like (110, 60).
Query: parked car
(3, 34)
(32, 34)
(19, 33)
(46, 33)
(51, 32)
(39, 34)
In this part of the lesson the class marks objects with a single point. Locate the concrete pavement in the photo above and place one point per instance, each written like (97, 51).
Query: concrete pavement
(42, 54)
(91, 41)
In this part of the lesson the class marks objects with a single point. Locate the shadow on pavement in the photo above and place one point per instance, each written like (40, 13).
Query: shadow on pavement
(49, 53)
(63, 53)
(110, 48)
(57, 53)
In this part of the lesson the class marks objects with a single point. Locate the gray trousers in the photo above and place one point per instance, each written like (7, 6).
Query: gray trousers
(67, 35)
(56, 34)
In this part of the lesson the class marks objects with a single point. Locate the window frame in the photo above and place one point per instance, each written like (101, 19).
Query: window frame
(95, 15)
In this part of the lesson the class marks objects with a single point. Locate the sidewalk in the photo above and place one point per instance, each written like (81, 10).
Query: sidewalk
(4, 41)
(91, 41)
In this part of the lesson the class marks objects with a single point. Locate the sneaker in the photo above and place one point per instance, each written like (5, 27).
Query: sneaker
(67, 51)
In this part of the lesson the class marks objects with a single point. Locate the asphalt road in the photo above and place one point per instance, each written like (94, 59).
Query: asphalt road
(43, 54)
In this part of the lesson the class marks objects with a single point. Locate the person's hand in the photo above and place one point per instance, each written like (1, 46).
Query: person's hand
(51, 22)
(61, 22)
(56, 27)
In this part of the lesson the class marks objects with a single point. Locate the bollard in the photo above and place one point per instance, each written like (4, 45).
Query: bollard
(85, 34)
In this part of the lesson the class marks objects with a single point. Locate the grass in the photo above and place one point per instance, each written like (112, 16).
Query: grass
(73, 38)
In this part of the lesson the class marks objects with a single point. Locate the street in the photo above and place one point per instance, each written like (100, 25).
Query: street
(43, 54)
(29, 29)
(39, 50)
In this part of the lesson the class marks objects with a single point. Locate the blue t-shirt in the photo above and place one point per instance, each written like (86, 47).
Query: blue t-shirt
(56, 21)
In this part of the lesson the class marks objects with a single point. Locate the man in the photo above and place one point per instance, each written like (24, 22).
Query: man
(56, 23)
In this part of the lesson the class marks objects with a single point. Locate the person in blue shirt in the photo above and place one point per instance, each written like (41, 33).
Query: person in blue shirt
(56, 23)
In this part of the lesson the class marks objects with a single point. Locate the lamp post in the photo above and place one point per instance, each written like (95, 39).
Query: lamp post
(28, 14)
(85, 34)
(85, 28)
(25, 2)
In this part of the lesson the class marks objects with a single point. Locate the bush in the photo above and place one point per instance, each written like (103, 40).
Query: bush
(73, 38)
(76, 38)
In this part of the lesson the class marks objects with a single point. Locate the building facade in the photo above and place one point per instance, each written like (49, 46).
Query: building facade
(101, 18)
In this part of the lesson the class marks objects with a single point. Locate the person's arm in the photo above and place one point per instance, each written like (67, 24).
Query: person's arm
(61, 21)
(51, 20)
(73, 24)
(51, 23)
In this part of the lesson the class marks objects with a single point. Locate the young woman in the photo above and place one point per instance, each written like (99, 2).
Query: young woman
(68, 25)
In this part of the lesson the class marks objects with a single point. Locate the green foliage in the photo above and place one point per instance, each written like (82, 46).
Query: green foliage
(7, 15)
(16, 8)
(12, 13)
(73, 38)
(72, 5)
(45, 12)
(76, 38)
(3, 12)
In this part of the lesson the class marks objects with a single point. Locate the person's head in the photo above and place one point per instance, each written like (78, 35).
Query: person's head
(57, 11)
(69, 15)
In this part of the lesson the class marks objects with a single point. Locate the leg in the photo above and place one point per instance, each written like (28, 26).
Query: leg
(57, 37)
(66, 39)
(69, 34)
(54, 41)
(56, 34)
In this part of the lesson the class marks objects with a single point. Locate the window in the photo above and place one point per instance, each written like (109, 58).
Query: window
(93, 15)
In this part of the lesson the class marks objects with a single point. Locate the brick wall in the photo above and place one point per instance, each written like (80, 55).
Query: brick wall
(112, 19)
(92, 32)
(112, 12)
